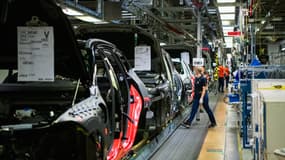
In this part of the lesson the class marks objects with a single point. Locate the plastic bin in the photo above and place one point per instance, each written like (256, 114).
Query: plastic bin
(233, 98)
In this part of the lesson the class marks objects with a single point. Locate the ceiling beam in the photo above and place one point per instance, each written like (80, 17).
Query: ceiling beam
(180, 21)
(175, 9)
(271, 33)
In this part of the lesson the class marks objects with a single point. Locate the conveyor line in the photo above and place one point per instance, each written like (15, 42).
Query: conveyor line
(176, 142)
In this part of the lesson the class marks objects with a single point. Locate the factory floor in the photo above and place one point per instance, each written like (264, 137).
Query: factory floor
(202, 143)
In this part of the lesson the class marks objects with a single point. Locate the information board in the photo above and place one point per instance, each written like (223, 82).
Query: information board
(35, 53)
(143, 58)
(185, 56)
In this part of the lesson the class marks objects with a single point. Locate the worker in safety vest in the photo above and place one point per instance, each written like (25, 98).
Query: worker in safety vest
(227, 75)
(221, 74)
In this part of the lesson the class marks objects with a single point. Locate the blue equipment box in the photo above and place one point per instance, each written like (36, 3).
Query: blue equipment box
(235, 85)
(233, 98)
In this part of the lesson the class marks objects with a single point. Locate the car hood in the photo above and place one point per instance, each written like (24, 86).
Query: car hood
(67, 57)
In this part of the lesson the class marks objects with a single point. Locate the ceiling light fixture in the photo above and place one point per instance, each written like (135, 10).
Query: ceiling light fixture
(227, 9)
(262, 22)
(71, 12)
(127, 14)
(226, 1)
(129, 17)
(228, 28)
(212, 11)
(227, 16)
(82, 15)
(226, 23)
(91, 19)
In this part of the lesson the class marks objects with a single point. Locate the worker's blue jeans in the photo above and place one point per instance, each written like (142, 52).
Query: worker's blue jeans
(208, 109)
(221, 84)
(206, 106)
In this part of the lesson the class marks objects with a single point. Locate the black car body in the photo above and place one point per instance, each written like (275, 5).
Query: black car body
(175, 52)
(179, 91)
(157, 78)
(125, 101)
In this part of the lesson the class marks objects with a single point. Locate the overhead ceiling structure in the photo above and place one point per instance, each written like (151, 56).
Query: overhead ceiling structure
(171, 21)
(229, 11)
(164, 19)
(83, 11)
(268, 18)
(252, 22)
(180, 18)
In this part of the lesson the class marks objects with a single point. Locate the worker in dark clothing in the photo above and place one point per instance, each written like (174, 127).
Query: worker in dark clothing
(221, 75)
(200, 97)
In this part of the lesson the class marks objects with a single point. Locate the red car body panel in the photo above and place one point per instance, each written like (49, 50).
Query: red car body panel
(121, 147)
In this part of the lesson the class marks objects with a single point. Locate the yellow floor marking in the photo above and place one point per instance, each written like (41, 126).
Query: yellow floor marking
(214, 142)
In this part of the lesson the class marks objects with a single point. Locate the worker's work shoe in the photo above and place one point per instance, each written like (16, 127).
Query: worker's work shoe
(212, 125)
(186, 124)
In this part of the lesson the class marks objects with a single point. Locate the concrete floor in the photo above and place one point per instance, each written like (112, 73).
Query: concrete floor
(186, 143)
(199, 142)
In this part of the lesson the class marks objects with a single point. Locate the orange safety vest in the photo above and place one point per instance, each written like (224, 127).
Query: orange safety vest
(227, 71)
(221, 72)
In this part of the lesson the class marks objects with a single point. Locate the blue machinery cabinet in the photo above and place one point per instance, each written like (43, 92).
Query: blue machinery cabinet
(245, 86)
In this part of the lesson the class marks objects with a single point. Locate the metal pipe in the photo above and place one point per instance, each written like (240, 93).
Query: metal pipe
(100, 8)
(199, 35)
(252, 48)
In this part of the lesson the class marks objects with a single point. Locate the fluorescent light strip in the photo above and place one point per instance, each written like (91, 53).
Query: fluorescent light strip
(227, 9)
(226, 23)
(91, 19)
(127, 14)
(71, 12)
(228, 28)
(212, 11)
(127, 17)
(82, 16)
(88, 18)
(226, 1)
(227, 16)
(262, 22)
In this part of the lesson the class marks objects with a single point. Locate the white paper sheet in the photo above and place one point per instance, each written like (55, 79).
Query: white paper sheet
(35, 54)
(185, 57)
(199, 62)
(143, 58)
